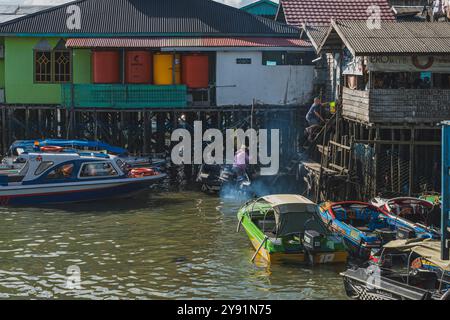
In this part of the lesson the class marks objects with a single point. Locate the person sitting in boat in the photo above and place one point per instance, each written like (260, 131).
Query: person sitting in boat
(89, 171)
(67, 171)
(241, 159)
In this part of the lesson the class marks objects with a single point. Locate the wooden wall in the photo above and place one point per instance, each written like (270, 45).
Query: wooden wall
(397, 105)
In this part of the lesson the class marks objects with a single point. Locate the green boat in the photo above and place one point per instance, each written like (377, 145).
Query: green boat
(435, 198)
(289, 228)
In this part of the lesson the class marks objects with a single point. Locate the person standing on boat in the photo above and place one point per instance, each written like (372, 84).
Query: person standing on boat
(241, 159)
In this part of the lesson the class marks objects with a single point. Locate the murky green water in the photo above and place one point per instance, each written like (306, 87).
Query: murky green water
(164, 246)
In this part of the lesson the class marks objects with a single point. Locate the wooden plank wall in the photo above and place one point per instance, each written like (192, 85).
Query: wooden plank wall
(397, 105)
(355, 105)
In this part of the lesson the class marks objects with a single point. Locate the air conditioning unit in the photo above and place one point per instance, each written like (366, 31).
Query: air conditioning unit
(2, 95)
(2, 52)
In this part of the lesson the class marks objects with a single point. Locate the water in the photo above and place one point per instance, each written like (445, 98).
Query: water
(180, 245)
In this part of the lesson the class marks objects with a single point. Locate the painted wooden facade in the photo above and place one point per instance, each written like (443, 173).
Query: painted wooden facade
(24, 37)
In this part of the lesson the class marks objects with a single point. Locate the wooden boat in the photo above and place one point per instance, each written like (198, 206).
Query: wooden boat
(72, 177)
(421, 275)
(418, 212)
(366, 227)
(289, 228)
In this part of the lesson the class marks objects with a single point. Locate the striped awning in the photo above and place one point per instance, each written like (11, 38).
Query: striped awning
(185, 42)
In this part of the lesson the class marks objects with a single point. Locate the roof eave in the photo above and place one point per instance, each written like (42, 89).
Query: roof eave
(149, 34)
(335, 26)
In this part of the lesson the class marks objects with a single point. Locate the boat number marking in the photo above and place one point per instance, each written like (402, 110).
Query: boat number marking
(324, 258)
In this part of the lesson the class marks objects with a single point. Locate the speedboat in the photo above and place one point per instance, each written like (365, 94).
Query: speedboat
(366, 227)
(289, 228)
(48, 178)
(13, 162)
(421, 213)
(420, 274)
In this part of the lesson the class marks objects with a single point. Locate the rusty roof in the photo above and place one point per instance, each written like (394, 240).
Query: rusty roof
(185, 42)
(394, 38)
(321, 12)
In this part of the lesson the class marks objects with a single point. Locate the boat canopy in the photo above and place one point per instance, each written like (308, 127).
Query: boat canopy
(428, 249)
(294, 214)
(28, 145)
(410, 201)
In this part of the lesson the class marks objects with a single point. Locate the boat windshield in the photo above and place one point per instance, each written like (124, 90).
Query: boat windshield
(295, 222)
(23, 172)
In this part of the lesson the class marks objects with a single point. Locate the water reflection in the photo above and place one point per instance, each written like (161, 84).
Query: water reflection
(163, 246)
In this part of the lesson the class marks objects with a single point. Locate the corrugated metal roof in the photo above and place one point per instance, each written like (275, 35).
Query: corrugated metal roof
(134, 17)
(321, 12)
(11, 12)
(392, 37)
(262, 8)
(316, 34)
(412, 10)
(183, 42)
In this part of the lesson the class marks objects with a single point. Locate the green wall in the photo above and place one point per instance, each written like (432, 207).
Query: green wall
(19, 65)
(2, 73)
(82, 72)
(2, 68)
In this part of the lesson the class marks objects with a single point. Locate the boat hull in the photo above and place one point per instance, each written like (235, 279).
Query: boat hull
(269, 255)
(363, 285)
(76, 192)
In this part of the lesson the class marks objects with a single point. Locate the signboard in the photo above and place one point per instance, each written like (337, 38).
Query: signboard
(244, 61)
(351, 65)
(409, 63)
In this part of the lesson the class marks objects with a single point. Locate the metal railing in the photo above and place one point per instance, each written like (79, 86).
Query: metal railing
(123, 96)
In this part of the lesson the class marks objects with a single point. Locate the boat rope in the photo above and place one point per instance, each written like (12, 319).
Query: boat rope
(240, 223)
(260, 247)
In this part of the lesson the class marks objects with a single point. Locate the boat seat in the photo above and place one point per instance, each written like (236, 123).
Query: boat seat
(386, 234)
(364, 229)
(267, 225)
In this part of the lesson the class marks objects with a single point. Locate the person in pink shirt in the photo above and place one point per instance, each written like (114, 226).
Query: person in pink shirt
(241, 159)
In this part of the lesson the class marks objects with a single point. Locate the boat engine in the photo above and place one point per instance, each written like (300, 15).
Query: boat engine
(312, 240)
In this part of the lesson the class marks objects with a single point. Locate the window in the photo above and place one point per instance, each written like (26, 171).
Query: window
(62, 66)
(63, 172)
(244, 61)
(43, 66)
(283, 58)
(52, 65)
(96, 170)
(23, 172)
(42, 167)
(122, 165)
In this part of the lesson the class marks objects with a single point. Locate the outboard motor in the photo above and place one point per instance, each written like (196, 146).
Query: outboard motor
(312, 240)
(239, 183)
(209, 178)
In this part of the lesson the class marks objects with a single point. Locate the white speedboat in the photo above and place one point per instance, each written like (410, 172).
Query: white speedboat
(58, 177)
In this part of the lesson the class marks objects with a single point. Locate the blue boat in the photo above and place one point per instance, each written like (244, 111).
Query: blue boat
(12, 163)
(366, 228)
(63, 177)
(21, 146)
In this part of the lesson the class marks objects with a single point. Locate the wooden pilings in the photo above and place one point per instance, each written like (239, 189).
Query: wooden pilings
(385, 159)
(142, 132)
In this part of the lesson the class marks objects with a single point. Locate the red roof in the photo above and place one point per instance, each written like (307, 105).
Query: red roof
(320, 12)
(184, 42)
